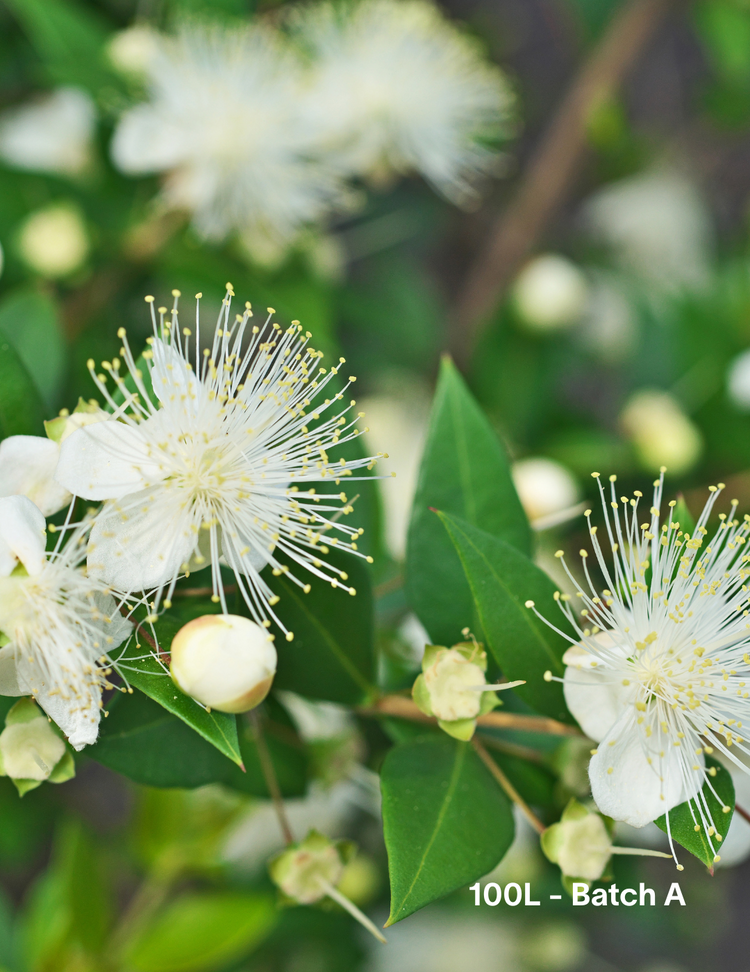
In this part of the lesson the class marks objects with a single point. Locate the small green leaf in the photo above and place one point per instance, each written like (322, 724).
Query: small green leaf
(464, 471)
(502, 580)
(684, 818)
(21, 411)
(332, 654)
(202, 931)
(446, 821)
(29, 321)
(144, 672)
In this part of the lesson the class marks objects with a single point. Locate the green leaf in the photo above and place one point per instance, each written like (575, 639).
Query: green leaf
(29, 321)
(684, 818)
(446, 821)
(502, 580)
(21, 411)
(332, 654)
(144, 672)
(464, 471)
(203, 931)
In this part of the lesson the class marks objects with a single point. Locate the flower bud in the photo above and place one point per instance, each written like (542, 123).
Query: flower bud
(225, 661)
(579, 844)
(86, 413)
(305, 871)
(661, 432)
(550, 293)
(53, 241)
(30, 749)
(545, 487)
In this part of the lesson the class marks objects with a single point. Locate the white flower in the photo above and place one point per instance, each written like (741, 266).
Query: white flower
(52, 134)
(396, 87)
(58, 625)
(660, 675)
(53, 241)
(224, 122)
(27, 468)
(214, 462)
(550, 293)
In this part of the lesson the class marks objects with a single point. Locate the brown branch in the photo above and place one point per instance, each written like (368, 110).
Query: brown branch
(269, 775)
(741, 812)
(552, 169)
(404, 708)
(507, 786)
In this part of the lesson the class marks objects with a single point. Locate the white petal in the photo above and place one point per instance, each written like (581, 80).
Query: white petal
(595, 699)
(75, 708)
(27, 468)
(143, 142)
(22, 535)
(8, 675)
(146, 546)
(625, 786)
(172, 379)
(105, 461)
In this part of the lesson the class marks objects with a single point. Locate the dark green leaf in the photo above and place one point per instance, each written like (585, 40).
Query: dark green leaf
(28, 319)
(21, 411)
(684, 818)
(144, 672)
(446, 821)
(502, 580)
(331, 656)
(202, 931)
(464, 471)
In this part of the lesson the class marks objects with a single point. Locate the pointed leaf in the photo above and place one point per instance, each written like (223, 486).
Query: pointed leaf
(502, 580)
(466, 472)
(446, 821)
(21, 411)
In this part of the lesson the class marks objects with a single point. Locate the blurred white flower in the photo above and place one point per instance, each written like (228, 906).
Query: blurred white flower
(316, 721)
(397, 424)
(738, 381)
(658, 227)
(225, 123)
(545, 487)
(53, 241)
(132, 50)
(397, 88)
(51, 134)
(661, 432)
(60, 624)
(550, 293)
(608, 327)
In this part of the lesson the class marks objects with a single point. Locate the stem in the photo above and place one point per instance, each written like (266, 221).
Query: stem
(505, 783)
(512, 749)
(741, 812)
(353, 910)
(405, 708)
(550, 173)
(145, 902)
(639, 852)
(269, 775)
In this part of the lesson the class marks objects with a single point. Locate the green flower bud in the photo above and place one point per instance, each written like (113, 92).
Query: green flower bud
(30, 749)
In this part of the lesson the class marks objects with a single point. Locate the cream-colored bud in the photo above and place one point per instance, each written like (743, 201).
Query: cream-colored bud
(132, 51)
(307, 870)
(550, 293)
(452, 682)
(225, 661)
(579, 844)
(53, 241)
(661, 432)
(544, 486)
(30, 750)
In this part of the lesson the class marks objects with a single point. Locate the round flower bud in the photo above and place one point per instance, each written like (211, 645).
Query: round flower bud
(30, 750)
(738, 381)
(579, 844)
(303, 870)
(452, 682)
(225, 661)
(661, 432)
(544, 486)
(53, 241)
(550, 293)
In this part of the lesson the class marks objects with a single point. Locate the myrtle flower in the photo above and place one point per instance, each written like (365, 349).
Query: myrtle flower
(224, 123)
(57, 626)
(660, 674)
(51, 134)
(396, 87)
(212, 461)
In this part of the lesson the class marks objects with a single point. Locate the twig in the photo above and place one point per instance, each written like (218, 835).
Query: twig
(512, 749)
(741, 812)
(552, 169)
(269, 774)
(404, 708)
(505, 783)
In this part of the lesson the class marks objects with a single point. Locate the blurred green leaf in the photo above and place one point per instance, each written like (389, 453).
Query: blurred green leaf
(464, 471)
(332, 654)
(7, 933)
(21, 410)
(28, 319)
(144, 672)
(684, 818)
(724, 28)
(200, 932)
(502, 580)
(446, 821)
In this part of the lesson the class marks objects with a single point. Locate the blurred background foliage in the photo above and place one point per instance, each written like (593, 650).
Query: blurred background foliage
(617, 337)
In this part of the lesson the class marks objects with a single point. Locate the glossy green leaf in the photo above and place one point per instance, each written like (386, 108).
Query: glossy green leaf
(332, 655)
(144, 672)
(28, 320)
(502, 580)
(446, 821)
(687, 816)
(465, 472)
(21, 411)
(200, 932)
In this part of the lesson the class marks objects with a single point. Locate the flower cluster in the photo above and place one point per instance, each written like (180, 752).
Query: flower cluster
(660, 674)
